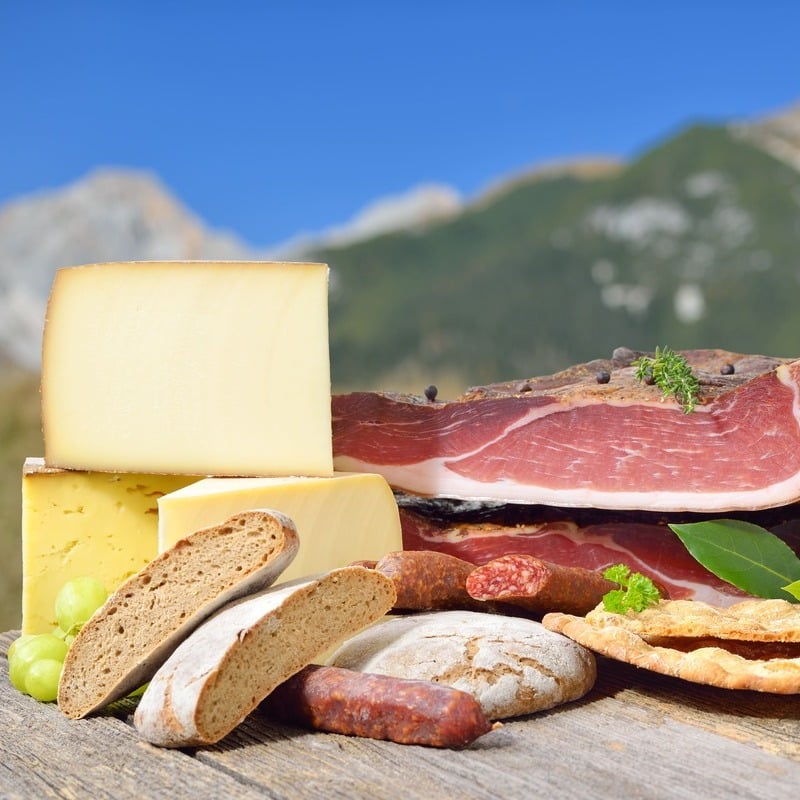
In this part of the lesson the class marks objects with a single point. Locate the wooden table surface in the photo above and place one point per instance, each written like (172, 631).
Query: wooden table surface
(635, 735)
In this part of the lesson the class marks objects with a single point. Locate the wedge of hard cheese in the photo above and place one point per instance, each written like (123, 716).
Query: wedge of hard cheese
(120, 648)
(218, 675)
(348, 517)
(74, 523)
(198, 368)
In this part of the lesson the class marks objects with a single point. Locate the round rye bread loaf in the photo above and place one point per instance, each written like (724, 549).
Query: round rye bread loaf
(511, 665)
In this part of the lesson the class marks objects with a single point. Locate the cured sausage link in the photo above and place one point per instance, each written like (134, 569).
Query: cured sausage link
(427, 580)
(539, 586)
(354, 703)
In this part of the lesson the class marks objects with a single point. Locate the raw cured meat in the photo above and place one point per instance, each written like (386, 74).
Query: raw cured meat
(575, 439)
(587, 538)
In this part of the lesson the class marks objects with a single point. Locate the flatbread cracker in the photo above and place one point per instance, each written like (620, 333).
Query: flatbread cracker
(750, 620)
(613, 635)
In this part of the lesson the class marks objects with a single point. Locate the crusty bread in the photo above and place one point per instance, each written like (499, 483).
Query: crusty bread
(219, 674)
(120, 648)
(511, 665)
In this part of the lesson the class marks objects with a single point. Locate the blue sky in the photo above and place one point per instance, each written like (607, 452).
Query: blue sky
(274, 118)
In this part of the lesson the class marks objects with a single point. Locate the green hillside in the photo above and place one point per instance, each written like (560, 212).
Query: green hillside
(559, 270)
(20, 436)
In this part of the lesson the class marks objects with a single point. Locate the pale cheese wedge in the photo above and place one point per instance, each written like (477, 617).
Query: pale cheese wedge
(76, 523)
(345, 518)
(199, 368)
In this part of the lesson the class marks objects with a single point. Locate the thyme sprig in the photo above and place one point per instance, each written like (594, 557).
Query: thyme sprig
(671, 372)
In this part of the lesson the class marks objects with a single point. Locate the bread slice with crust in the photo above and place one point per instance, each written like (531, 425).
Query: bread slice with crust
(219, 674)
(120, 648)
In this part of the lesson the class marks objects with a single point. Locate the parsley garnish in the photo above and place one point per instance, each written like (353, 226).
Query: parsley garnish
(637, 591)
(671, 372)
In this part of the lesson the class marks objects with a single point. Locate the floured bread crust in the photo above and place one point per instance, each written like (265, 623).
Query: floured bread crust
(692, 641)
(512, 666)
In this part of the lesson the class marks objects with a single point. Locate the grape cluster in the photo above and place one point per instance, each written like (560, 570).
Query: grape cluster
(35, 660)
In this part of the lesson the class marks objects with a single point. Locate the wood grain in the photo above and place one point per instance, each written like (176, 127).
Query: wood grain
(636, 734)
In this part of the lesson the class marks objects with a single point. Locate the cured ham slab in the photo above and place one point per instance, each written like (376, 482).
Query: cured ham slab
(586, 538)
(591, 436)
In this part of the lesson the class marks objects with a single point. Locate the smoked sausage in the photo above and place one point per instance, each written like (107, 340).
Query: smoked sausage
(353, 703)
(427, 580)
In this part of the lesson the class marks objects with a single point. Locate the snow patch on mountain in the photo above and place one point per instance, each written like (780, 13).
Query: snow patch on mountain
(641, 221)
(413, 209)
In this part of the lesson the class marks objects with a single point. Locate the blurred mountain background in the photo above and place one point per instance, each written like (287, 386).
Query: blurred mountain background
(693, 243)
(696, 242)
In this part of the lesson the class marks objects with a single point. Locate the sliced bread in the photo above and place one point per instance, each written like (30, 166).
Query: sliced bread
(219, 674)
(120, 648)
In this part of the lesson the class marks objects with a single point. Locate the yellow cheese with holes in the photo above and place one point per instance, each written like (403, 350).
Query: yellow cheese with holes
(84, 523)
(344, 518)
(197, 368)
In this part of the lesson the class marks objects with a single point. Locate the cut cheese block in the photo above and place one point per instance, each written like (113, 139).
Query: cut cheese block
(74, 523)
(217, 676)
(132, 634)
(197, 368)
(349, 517)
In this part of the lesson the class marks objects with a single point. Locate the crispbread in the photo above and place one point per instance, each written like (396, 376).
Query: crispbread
(612, 635)
(749, 620)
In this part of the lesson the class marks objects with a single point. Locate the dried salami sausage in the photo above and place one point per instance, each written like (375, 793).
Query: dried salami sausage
(355, 703)
(538, 586)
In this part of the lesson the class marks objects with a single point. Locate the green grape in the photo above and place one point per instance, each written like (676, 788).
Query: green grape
(44, 646)
(16, 644)
(76, 601)
(41, 682)
(69, 638)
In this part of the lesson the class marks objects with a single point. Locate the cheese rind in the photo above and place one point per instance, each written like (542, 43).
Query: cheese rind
(84, 523)
(345, 518)
(199, 368)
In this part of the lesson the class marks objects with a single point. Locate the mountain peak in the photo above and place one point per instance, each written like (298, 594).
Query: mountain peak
(414, 209)
(777, 133)
(582, 168)
(109, 215)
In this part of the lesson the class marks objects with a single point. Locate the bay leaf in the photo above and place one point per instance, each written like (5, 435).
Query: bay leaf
(743, 554)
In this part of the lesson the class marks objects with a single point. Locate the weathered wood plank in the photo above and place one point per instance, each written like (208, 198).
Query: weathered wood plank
(44, 755)
(769, 721)
(636, 734)
(600, 747)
